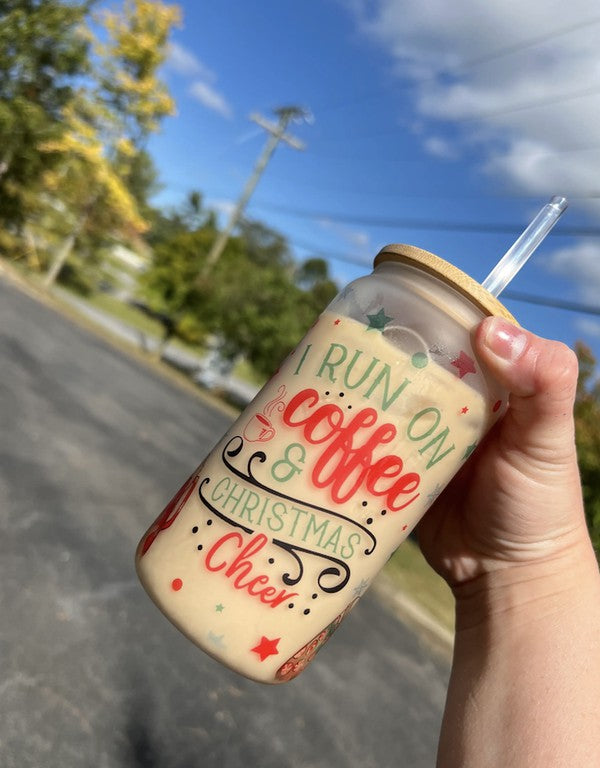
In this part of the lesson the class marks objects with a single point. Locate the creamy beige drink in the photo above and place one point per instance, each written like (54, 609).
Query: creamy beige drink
(284, 526)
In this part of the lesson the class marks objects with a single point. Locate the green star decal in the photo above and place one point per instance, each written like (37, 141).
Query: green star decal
(219, 608)
(434, 494)
(379, 321)
(217, 641)
(360, 588)
(470, 449)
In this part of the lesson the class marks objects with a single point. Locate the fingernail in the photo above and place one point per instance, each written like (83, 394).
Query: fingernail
(505, 340)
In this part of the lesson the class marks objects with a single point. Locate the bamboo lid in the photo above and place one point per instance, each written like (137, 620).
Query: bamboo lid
(448, 273)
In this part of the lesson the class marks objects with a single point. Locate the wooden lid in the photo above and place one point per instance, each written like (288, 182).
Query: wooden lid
(443, 270)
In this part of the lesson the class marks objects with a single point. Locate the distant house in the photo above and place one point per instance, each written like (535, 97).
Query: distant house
(122, 267)
(129, 258)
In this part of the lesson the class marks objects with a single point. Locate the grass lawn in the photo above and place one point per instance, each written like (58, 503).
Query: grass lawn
(244, 371)
(124, 312)
(142, 322)
(412, 575)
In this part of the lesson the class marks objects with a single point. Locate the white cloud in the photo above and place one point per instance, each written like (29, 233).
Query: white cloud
(521, 81)
(212, 99)
(223, 207)
(249, 135)
(203, 89)
(358, 239)
(589, 327)
(184, 62)
(579, 264)
(439, 147)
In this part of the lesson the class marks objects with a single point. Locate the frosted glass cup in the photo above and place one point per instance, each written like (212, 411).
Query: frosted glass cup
(285, 524)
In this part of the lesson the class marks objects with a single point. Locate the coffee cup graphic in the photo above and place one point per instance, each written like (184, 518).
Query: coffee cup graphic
(259, 429)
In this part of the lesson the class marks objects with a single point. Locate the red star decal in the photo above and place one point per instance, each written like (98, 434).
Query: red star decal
(266, 647)
(464, 364)
(336, 322)
(464, 409)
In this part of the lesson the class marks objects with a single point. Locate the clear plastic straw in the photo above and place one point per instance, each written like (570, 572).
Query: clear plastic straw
(524, 246)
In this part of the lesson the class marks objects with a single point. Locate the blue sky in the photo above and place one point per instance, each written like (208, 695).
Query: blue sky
(462, 113)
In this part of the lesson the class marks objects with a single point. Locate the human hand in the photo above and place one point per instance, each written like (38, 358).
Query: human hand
(517, 501)
(509, 536)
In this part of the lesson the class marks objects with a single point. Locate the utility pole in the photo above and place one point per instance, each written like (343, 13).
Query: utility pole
(276, 134)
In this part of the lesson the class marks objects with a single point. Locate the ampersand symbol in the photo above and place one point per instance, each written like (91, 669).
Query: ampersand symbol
(284, 469)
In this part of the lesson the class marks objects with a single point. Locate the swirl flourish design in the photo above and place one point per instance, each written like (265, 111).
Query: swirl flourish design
(334, 576)
(261, 457)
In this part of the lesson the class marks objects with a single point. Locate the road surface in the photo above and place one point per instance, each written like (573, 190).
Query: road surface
(92, 446)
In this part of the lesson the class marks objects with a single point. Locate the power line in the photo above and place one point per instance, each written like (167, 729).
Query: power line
(327, 253)
(426, 224)
(529, 105)
(409, 157)
(527, 298)
(570, 306)
(469, 118)
(463, 67)
(429, 195)
(531, 42)
(395, 193)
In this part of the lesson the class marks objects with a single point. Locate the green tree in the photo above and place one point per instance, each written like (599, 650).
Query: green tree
(252, 301)
(137, 46)
(88, 199)
(264, 246)
(129, 85)
(43, 47)
(255, 308)
(169, 284)
(107, 174)
(189, 217)
(142, 181)
(312, 276)
(587, 424)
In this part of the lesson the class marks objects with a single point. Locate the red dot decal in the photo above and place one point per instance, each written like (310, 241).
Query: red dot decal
(176, 585)
(497, 405)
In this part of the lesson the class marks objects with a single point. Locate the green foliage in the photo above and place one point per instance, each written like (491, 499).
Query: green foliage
(168, 285)
(76, 278)
(254, 300)
(141, 179)
(312, 276)
(257, 310)
(137, 46)
(74, 171)
(587, 423)
(42, 50)
(189, 217)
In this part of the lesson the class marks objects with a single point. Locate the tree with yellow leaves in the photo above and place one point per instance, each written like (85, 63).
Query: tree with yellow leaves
(43, 52)
(136, 48)
(85, 193)
(107, 125)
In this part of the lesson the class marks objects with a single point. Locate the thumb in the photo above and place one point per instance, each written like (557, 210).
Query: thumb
(541, 376)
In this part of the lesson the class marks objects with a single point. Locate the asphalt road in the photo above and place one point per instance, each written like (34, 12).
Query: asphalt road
(92, 445)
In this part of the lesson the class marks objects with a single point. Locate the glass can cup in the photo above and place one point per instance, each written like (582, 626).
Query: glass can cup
(285, 524)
